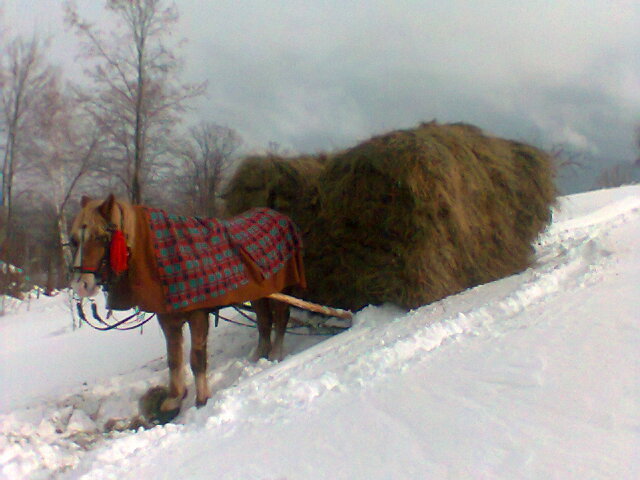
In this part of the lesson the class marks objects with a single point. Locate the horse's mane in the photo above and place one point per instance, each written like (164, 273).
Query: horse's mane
(122, 216)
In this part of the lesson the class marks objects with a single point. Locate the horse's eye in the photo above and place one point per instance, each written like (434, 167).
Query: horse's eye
(72, 243)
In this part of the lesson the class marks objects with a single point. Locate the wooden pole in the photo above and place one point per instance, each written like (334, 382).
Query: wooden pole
(314, 307)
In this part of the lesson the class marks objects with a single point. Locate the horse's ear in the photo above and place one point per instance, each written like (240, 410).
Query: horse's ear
(84, 201)
(107, 207)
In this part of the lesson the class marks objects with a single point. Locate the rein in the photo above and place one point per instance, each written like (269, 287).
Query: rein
(242, 310)
(103, 325)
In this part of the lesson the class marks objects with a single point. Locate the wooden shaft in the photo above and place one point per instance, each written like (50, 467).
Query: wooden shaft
(314, 307)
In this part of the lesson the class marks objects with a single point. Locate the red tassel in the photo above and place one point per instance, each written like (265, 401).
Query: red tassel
(119, 254)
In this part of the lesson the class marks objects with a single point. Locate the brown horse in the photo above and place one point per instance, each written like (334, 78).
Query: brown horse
(118, 248)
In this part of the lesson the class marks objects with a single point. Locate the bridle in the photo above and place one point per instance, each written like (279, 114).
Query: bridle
(80, 247)
(114, 261)
(102, 271)
(112, 265)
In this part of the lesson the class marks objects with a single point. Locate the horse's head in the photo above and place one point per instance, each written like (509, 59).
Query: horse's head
(102, 233)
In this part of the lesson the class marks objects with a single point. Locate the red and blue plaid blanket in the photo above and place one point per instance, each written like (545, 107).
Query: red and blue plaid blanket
(198, 259)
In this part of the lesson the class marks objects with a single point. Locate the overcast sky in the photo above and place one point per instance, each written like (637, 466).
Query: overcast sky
(322, 74)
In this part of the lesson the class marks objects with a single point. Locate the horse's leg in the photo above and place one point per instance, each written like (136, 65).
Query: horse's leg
(281, 319)
(172, 329)
(264, 318)
(199, 326)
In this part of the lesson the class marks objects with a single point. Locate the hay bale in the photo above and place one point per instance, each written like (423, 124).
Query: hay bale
(412, 216)
(288, 185)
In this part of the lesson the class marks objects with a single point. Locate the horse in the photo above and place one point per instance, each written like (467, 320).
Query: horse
(135, 253)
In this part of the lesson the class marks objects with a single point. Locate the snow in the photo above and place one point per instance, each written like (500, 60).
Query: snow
(533, 376)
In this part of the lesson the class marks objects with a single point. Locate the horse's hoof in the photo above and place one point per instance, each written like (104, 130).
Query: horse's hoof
(165, 417)
(276, 355)
(201, 403)
(256, 357)
(151, 401)
(157, 407)
(261, 351)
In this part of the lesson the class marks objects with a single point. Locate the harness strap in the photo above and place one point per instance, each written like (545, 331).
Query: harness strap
(104, 326)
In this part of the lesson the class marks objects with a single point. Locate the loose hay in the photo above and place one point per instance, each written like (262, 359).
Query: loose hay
(408, 217)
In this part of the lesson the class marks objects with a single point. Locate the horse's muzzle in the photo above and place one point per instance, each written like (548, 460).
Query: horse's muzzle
(85, 284)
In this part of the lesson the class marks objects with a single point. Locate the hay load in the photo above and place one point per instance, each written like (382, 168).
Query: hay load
(288, 185)
(412, 216)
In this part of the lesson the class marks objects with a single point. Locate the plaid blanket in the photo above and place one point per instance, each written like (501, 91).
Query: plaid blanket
(198, 259)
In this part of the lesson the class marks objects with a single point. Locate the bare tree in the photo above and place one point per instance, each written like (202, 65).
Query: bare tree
(135, 95)
(26, 81)
(620, 173)
(36, 248)
(28, 85)
(566, 158)
(637, 162)
(205, 160)
(66, 150)
(615, 176)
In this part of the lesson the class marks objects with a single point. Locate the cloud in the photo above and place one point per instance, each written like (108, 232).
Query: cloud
(322, 75)
(353, 70)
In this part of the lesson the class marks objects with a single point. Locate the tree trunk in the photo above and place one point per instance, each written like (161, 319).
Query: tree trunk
(65, 258)
(136, 186)
(8, 170)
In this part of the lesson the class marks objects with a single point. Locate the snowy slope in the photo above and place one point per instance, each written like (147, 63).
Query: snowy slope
(534, 376)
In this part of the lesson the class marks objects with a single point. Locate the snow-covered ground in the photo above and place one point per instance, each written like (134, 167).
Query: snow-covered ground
(533, 376)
